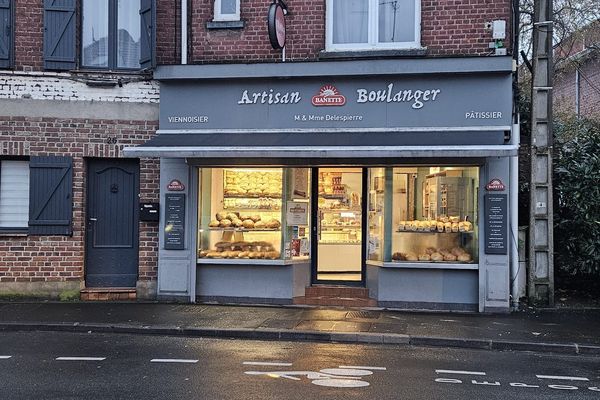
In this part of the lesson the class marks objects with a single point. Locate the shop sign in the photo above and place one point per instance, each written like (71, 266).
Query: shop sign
(297, 213)
(328, 96)
(176, 186)
(495, 185)
(276, 26)
(311, 104)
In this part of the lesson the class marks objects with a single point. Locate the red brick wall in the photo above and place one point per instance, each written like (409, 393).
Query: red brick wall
(457, 27)
(29, 34)
(448, 27)
(61, 258)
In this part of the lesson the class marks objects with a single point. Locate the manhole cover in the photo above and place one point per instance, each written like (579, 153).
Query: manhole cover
(363, 314)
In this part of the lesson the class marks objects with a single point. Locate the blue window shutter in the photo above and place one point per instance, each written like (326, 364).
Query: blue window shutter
(148, 29)
(59, 34)
(6, 33)
(50, 195)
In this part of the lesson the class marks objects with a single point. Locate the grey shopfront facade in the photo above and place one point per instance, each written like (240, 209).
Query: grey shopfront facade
(360, 114)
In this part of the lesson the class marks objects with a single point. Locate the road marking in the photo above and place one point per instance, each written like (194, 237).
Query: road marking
(346, 372)
(5, 357)
(363, 367)
(450, 371)
(564, 378)
(270, 364)
(80, 358)
(340, 383)
(173, 360)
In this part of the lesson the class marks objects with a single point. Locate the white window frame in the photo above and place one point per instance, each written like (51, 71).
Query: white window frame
(226, 17)
(373, 31)
(24, 166)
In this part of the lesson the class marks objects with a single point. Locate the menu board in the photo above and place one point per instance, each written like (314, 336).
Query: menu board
(174, 221)
(496, 224)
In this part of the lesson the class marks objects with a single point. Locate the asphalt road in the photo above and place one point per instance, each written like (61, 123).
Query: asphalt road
(47, 365)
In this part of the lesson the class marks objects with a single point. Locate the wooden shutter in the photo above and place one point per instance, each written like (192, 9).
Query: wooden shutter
(59, 34)
(50, 195)
(148, 37)
(6, 33)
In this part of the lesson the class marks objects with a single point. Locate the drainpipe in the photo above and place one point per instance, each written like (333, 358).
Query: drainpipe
(577, 93)
(516, 275)
(184, 31)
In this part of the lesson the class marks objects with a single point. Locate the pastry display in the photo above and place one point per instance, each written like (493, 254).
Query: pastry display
(432, 254)
(259, 183)
(443, 224)
(243, 221)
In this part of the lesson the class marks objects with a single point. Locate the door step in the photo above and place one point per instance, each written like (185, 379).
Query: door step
(108, 294)
(342, 296)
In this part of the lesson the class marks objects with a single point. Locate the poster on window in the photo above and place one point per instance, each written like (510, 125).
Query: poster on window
(296, 213)
(300, 183)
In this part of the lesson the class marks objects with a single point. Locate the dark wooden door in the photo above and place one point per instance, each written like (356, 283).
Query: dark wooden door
(112, 237)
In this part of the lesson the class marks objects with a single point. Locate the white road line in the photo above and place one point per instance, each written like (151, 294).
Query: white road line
(80, 358)
(450, 371)
(5, 357)
(268, 364)
(173, 360)
(363, 367)
(563, 378)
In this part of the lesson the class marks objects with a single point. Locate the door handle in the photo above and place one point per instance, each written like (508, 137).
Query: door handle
(93, 219)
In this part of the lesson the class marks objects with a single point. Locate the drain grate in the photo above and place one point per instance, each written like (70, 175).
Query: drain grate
(188, 309)
(363, 314)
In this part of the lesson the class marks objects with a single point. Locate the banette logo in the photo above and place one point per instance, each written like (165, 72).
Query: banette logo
(328, 96)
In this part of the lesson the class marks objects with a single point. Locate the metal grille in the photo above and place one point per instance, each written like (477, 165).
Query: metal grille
(363, 314)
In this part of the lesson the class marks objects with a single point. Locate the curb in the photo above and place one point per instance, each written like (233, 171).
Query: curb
(309, 336)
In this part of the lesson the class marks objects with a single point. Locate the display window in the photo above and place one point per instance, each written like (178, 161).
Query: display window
(434, 217)
(243, 213)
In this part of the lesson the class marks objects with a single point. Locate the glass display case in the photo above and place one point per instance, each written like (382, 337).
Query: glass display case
(446, 230)
(240, 213)
(376, 217)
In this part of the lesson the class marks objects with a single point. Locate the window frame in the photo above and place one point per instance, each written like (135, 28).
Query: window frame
(17, 229)
(373, 31)
(113, 29)
(219, 17)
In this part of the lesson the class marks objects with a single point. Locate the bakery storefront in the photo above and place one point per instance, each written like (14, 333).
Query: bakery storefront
(392, 175)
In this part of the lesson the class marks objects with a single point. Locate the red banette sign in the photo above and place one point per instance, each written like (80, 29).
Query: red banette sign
(328, 96)
(495, 185)
(176, 186)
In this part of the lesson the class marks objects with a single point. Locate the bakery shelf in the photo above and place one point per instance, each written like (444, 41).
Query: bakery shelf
(340, 242)
(340, 226)
(245, 229)
(250, 196)
(431, 265)
(252, 209)
(432, 232)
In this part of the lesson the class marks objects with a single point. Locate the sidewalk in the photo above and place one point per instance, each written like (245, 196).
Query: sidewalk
(559, 331)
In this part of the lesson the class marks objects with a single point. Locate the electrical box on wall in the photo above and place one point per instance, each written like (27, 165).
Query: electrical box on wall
(149, 212)
(499, 29)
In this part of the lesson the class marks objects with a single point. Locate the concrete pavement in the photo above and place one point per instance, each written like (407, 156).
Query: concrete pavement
(557, 331)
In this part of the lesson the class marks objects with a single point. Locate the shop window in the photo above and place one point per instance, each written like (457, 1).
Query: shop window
(253, 214)
(14, 195)
(373, 24)
(115, 34)
(376, 213)
(432, 214)
(227, 10)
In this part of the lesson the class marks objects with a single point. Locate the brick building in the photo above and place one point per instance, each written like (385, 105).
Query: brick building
(577, 78)
(80, 157)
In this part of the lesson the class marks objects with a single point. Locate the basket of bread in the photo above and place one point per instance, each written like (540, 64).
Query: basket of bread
(241, 250)
(243, 221)
(432, 254)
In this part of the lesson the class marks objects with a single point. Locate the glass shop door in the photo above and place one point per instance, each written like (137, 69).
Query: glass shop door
(338, 225)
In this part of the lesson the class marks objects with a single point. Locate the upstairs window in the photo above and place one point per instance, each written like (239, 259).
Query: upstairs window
(373, 24)
(227, 10)
(110, 36)
(114, 35)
